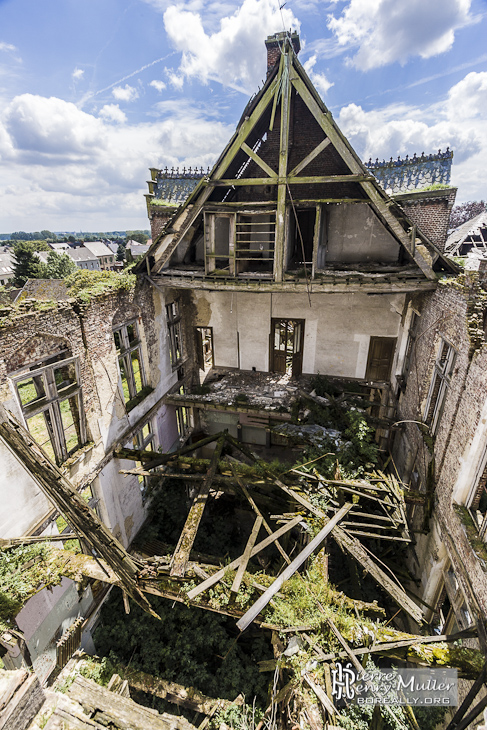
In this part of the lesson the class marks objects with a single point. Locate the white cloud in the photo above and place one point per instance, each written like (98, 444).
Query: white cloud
(176, 80)
(113, 113)
(88, 173)
(7, 47)
(158, 85)
(234, 54)
(77, 73)
(385, 31)
(318, 79)
(51, 127)
(458, 122)
(125, 93)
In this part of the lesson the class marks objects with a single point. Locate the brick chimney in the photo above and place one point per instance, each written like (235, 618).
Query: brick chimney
(274, 44)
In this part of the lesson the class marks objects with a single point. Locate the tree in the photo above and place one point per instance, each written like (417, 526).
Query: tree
(58, 266)
(26, 264)
(120, 252)
(138, 236)
(464, 212)
(48, 235)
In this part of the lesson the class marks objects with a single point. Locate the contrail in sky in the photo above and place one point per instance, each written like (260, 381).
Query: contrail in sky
(90, 94)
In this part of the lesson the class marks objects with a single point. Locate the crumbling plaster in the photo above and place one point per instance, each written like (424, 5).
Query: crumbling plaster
(337, 327)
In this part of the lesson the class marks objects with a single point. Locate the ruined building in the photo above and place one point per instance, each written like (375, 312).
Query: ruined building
(288, 265)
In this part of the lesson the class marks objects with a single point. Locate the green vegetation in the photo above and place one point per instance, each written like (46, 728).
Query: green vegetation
(24, 570)
(138, 236)
(84, 284)
(26, 264)
(188, 646)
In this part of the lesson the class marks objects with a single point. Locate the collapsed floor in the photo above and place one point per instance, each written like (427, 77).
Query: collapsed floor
(235, 535)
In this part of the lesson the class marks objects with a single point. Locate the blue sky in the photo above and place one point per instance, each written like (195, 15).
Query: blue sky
(94, 93)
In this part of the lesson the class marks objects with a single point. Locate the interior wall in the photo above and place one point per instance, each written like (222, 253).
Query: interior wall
(355, 235)
(338, 327)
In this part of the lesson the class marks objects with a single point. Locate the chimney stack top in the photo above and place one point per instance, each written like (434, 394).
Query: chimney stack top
(274, 44)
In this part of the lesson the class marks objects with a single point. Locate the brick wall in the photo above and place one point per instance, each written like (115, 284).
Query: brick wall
(159, 216)
(431, 214)
(444, 314)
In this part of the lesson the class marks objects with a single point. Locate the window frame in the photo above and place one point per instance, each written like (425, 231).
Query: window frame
(439, 385)
(50, 403)
(174, 333)
(139, 441)
(125, 355)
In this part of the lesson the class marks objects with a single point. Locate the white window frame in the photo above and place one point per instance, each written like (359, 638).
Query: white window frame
(125, 354)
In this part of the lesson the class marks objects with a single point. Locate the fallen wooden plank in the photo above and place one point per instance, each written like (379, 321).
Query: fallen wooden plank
(235, 563)
(262, 602)
(60, 492)
(187, 697)
(397, 593)
(151, 459)
(342, 641)
(403, 643)
(257, 511)
(185, 543)
(321, 695)
(348, 543)
(246, 555)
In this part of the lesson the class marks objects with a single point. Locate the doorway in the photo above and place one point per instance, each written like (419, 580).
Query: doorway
(379, 362)
(287, 340)
(204, 350)
(304, 225)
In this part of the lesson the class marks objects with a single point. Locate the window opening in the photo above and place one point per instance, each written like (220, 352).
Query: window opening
(306, 220)
(219, 243)
(412, 334)
(51, 402)
(440, 383)
(254, 243)
(174, 332)
(287, 340)
(477, 500)
(184, 419)
(204, 350)
(145, 438)
(127, 344)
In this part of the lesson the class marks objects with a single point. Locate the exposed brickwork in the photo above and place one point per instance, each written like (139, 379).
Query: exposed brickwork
(159, 216)
(85, 331)
(431, 214)
(445, 315)
(273, 45)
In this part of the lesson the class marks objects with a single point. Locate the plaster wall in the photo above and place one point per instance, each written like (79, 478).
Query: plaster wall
(23, 502)
(338, 327)
(355, 234)
(46, 616)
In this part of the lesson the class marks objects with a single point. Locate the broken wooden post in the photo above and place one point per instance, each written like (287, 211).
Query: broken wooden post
(151, 459)
(246, 556)
(349, 543)
(257, 511)
(321, 695)
(472, 693)
(185, 543)
(235, 563)
(262, 602)
(62, 494)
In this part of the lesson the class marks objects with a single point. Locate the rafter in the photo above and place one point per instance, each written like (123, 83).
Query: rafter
(376, 200)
